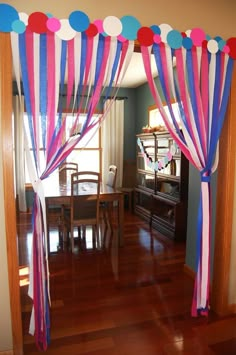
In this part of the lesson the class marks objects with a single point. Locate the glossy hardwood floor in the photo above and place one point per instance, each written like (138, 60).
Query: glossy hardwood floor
(133, 300)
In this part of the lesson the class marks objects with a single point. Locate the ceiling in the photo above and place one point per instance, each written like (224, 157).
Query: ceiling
(135, 75)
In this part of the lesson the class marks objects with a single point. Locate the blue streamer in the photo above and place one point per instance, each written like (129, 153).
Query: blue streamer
(114, 69)
(62, 80)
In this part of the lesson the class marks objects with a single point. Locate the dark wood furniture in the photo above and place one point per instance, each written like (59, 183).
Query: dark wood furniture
(161, 196)
(58, 195)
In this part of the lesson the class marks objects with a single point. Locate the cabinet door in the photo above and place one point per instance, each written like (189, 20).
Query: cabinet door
(146, 180)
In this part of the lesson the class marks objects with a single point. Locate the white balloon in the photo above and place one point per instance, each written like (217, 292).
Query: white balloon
(165, 29)
(24, 17)
(66, 32)
(212, 46)
(188, 33)
(112, 26)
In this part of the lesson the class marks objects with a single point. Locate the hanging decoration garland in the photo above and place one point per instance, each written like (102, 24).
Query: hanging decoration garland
(159, 164)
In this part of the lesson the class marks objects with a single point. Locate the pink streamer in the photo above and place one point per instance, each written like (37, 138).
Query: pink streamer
(199, 107)
(71, 71)
(205, 93)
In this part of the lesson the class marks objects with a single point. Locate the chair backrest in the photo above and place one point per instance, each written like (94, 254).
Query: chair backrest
(65, 171)
(85, 190)
(111, 178)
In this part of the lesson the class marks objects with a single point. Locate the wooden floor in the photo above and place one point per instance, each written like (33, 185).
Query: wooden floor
(133, 300)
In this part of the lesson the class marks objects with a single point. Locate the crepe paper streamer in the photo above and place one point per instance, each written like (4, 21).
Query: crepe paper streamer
(40, 56)
(202, 84)
(161, 163)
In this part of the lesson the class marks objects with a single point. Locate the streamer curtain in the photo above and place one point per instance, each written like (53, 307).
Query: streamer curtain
(200, 84)
(93, 65)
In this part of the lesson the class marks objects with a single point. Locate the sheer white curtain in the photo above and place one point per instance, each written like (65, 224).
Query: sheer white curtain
(18, 110)
(113, 139)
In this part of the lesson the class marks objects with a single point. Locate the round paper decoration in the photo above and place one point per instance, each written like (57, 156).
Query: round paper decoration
(174, 39)
(7, 15)
(157, 38)
(79, 21)
(112, 26)
(156, 29)
(165, 29)
(53, 24)
(145, 36)
(24, 17)
(221, 44)
(126, 28)
(198, 36)
(212, 46)
(130, 27)
(18, 26)
(92, 30)
(187, 43)
(66, 32)
(99, 25)
(231, 43)
(37, 22)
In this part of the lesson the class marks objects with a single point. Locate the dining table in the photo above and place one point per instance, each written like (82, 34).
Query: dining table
(57, 194)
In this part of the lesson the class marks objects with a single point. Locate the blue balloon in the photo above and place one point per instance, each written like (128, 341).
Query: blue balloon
(174, 39)
(8, 14)
(187, 43)
(130, 27)
(156, 29)
(221, 44)
(18, 26)
(79, 21)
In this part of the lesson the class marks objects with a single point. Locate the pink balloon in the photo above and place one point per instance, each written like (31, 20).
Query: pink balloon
(99, 25)
(198, 36)
(157, 38)
(53, 24)
(226, 49)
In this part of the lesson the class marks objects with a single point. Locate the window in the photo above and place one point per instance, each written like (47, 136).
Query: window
(87, 153)
(155, 118)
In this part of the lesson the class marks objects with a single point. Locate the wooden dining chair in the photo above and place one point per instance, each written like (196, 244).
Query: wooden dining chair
(84, 205)
(55, 214)
(65, 170)
(107, 207)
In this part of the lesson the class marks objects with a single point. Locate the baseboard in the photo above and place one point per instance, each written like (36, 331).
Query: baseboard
(189, 271)
(9, 352)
